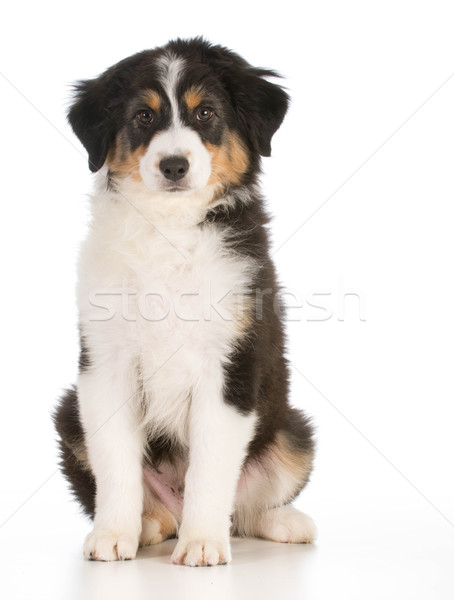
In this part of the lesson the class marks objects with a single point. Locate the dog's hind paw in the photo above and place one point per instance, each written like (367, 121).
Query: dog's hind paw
(287, 524)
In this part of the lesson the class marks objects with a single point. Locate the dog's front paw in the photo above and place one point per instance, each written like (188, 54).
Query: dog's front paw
(103, 544)
(202, 553)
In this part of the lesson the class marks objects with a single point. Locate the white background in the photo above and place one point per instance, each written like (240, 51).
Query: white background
(361, 188)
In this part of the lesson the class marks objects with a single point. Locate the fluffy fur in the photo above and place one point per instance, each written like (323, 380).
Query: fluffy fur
(179, 424)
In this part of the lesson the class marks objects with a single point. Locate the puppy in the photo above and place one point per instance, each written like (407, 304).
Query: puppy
(179, 424)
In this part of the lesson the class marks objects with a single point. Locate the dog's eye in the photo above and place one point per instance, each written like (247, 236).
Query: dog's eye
(145, 116)
(204, 114)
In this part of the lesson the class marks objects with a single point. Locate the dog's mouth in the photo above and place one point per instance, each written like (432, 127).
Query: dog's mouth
(176, 188)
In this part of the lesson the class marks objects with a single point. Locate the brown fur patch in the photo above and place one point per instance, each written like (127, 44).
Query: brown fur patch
(160, 514)
(81, 453)
(121, 160)
(230, 161)
(243, 316)
(298, 464)
(193, 98)
(153, 100)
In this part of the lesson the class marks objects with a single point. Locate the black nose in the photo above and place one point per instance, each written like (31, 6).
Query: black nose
(174, 168)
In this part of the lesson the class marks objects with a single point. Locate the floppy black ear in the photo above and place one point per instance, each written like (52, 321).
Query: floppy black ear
(261, 106)
(90, 120)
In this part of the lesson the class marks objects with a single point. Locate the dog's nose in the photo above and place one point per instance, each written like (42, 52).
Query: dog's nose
(174, 168)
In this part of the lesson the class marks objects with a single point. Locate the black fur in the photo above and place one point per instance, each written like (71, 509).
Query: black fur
(257, 377)
(84, 358)
(72, 451)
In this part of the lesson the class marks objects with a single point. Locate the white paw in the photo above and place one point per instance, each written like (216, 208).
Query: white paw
(287, 524)
(103, 544)
(198, 553)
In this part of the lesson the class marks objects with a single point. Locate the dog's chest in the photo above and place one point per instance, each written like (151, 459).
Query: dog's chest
(179, 301)
(192, 288)
(192, 307)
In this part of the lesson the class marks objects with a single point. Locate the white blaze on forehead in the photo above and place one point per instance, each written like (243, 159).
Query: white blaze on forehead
(177, 140)
(171, 69)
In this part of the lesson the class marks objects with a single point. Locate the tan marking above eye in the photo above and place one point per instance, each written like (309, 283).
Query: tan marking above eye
(153, 100)
(193, 98)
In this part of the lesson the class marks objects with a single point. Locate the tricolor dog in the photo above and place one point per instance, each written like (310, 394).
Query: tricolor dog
(179, 424)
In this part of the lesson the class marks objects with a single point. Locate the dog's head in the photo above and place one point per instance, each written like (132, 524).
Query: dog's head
(179, 118)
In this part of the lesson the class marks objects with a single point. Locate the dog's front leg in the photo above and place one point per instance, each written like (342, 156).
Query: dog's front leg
(115, 445)
(218, 439)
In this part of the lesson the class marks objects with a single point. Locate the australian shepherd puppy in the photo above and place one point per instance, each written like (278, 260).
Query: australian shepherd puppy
(179, 424)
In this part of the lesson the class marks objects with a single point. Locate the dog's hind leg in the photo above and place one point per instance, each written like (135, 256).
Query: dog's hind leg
(285, 524)
(270, 481)
(158, 522)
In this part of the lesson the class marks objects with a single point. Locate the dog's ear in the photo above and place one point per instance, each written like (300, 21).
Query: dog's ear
(260, 105)
(90, 119)
(95, 114)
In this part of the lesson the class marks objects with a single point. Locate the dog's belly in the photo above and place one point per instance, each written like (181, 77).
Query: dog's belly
(167, 484)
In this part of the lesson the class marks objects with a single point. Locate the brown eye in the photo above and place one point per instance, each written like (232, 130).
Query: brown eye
(204, 114)
(145, 116)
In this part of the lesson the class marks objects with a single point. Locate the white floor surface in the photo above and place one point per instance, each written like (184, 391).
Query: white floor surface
(362, 552)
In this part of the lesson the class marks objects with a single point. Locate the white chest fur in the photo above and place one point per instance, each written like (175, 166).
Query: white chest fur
(164, 297)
